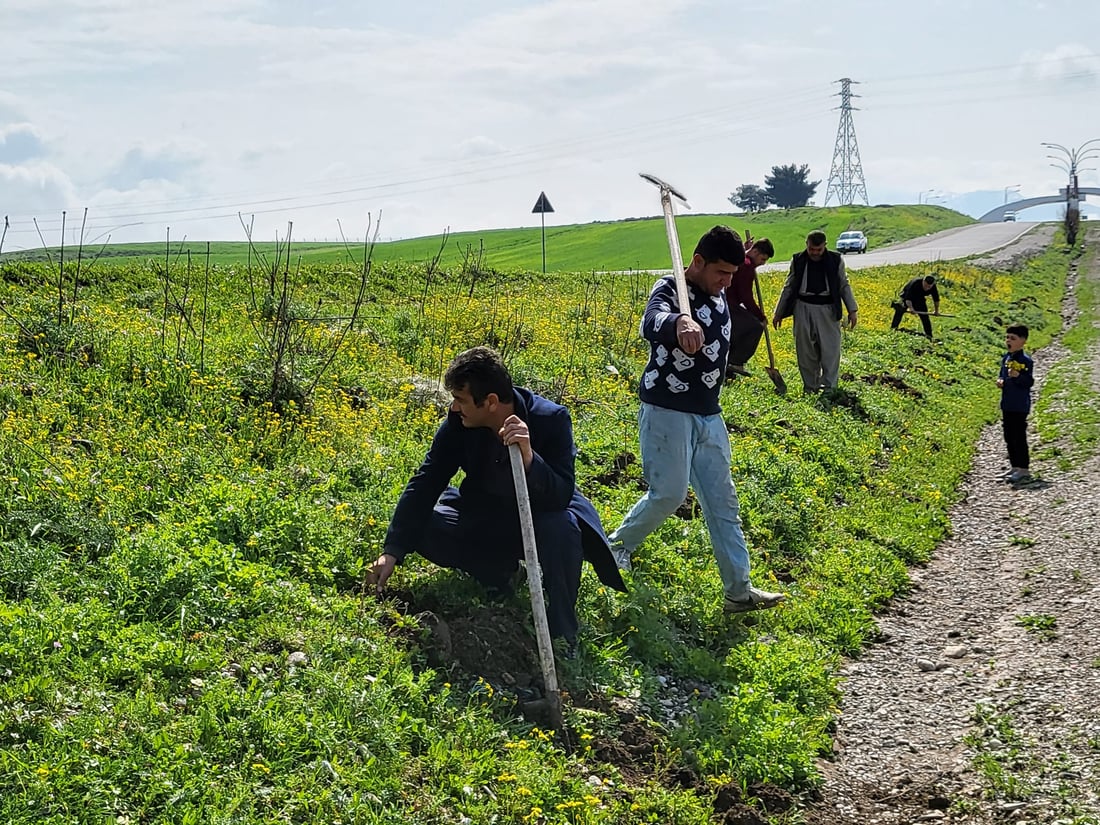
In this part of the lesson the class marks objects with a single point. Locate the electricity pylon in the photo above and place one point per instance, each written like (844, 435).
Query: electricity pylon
(846, 177)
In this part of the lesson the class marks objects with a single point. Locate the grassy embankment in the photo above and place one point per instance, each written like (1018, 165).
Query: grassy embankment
(1069, 409)
(620, 245)
(181, 638)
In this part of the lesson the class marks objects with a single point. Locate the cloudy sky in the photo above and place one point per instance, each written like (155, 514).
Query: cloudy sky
(165, 116)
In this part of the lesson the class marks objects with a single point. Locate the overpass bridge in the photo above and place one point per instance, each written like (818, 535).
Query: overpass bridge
(998, 214)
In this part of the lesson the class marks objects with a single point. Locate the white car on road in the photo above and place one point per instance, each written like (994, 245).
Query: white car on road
(851, 241)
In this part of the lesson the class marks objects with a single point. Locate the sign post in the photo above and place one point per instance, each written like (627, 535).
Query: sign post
(542, 206)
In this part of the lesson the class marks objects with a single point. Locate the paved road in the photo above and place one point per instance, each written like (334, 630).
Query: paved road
(960, 242)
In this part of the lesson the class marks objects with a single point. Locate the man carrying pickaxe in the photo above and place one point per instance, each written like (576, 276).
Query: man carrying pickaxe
(683, 436)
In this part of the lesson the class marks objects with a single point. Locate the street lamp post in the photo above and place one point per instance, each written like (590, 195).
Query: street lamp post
(1008, 189)
(920, 196)
(1073, 157)
(1071, 165)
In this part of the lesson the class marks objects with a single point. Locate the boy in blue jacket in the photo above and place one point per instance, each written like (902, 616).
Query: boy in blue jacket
(1015, 380)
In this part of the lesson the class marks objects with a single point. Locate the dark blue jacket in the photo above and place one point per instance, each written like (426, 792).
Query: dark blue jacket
(1016, 392)
(488, 490)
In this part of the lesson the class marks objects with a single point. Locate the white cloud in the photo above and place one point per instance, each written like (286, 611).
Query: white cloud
(116, 34)
(169, 162)
(20, 142)
(11, 110)
(1069, 64)
(478, 146)
(33, 190)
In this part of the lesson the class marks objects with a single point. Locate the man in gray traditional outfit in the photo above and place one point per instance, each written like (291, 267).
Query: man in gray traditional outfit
(815, 289)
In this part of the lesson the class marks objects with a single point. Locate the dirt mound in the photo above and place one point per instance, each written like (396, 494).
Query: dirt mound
(487, 640)
(731, 804)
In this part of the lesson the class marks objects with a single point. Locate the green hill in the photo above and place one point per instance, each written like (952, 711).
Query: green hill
(634, 243)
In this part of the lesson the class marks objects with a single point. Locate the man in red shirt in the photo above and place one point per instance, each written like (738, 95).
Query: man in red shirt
(746, 316)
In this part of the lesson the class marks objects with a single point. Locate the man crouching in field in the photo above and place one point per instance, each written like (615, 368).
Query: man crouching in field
(476, 527)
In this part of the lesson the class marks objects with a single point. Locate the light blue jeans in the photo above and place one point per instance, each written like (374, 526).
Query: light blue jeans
(679, 447)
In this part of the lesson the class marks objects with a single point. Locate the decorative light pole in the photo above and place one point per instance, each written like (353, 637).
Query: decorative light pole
(1014, 187)
(1071, 165)
(920, 196)
(1074, 156)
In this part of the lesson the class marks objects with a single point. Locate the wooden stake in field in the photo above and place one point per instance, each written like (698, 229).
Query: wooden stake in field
(534, 583)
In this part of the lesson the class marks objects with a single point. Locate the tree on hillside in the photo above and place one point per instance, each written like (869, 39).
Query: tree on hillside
(750, 197)
(790, 186)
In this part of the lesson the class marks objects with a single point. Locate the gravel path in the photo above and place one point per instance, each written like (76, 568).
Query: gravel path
(979, 703)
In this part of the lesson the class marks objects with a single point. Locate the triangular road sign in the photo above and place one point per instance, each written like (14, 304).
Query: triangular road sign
(542, 204)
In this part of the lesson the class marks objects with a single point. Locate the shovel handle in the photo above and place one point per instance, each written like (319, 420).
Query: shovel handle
(767, 337)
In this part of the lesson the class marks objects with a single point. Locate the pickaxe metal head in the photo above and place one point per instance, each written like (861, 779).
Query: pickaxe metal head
(666, 188)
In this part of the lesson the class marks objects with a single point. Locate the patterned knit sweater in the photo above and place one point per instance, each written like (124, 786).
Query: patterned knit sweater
(673, 379)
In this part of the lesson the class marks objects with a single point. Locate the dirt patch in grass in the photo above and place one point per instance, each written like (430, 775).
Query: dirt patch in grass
(731, 804)
(893, 381)
(487, 643)
(616, 475)
(486, 640)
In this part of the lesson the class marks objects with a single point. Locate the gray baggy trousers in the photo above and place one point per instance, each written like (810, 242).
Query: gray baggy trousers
(817, 345)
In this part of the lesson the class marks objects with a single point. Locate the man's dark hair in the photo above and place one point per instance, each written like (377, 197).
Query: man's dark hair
(479, 371)
(930, 279)
(1019, 330)
(816, 238)
(765, 246)
(721, 244)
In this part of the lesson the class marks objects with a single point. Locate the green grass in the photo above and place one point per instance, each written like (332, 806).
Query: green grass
(1041, 624)
(1009, 771)
(181, 634)
(998, 747)
(1067, 416)
(620, 245)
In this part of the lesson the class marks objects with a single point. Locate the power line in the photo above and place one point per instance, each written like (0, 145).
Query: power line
(688, 128)
(611, 139)
(677, 134)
